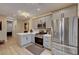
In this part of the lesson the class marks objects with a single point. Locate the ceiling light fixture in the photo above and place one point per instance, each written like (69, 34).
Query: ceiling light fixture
(25, 14)
(19, 11)
(38, 9)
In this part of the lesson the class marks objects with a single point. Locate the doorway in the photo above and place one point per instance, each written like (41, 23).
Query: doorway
(9, 28)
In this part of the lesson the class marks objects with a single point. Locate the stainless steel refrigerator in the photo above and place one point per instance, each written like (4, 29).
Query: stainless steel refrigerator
(64, 35)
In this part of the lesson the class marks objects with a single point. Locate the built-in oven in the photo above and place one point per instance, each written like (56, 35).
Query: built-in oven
(39, 39)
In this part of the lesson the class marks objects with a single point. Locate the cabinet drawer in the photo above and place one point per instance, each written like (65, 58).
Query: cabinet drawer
(46, 45)
(45, 40)
(64, 48)
(58, 52)
(57, 46)
(48, 39)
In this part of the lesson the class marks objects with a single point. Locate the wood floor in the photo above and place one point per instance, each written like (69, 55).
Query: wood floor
(12, 48)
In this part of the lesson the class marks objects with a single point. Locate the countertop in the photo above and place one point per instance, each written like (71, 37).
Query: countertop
(48, 35)
(26, 33)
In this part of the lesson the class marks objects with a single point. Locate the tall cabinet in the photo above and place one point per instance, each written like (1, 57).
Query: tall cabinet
(64, 31)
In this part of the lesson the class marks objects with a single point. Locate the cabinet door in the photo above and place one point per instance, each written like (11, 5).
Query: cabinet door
(33, 38)
(46, 42)
(46, 45)
(48, 21)
(24, 40)
(28, 38)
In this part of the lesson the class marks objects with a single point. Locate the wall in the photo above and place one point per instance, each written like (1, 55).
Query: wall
(30, 24)
(14, 28)
(20, 26)
(3, 33)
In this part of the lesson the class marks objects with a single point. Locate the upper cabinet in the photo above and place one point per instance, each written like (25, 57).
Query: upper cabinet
(70, 12)
(35, 22)
(42, 23)
(48, 21)
(66, 12)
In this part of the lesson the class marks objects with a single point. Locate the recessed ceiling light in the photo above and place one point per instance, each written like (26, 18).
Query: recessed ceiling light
(38, 9)
(25, 14)
(19, 11)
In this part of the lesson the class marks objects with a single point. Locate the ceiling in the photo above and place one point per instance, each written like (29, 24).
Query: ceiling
(12, 9)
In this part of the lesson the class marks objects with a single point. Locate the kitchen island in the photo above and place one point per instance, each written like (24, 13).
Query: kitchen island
(24, 39)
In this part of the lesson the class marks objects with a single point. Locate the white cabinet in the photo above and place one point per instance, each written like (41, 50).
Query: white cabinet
(26, 38)
(33, 38)
(47, 41)
(48, 21)
(41, 20)
(61, 49)
(23, 40)
(59, 52)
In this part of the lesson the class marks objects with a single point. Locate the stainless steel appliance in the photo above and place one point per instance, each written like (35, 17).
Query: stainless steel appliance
(64, 35)
(39, 38)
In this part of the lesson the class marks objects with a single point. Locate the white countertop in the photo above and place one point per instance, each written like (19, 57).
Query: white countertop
(48, 35)
(21, 33)
(26, 33)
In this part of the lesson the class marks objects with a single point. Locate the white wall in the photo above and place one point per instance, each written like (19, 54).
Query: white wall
(14, 28)
(20, 26)
(30, 24)
(17, 27)
(3, 33)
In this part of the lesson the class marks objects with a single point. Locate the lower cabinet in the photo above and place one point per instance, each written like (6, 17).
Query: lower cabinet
(47, 41)
(60, 49)
(26, 39)
(59, 52)
(33, 38)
